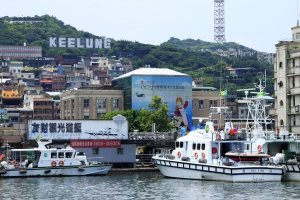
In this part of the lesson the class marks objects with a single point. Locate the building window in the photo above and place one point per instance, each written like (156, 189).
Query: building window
(280, 84)
(281, 122)
(115, 103)
(294, 101)
(201, 104)
(293, 81)
(101, 103)
(293, 62)
(96, 151)
(281, 103)
(294, 120)
(213, 103)
(242, 112)
(120, 151)
(280, 65)
(86, 103)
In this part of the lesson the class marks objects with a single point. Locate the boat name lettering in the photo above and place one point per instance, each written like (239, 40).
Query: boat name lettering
(257, 170)
(258, 179)
(54, 127)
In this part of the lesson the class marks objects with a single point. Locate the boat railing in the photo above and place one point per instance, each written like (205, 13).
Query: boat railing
(235, 136)
(158, 136)
(273, 135)
(96, 160)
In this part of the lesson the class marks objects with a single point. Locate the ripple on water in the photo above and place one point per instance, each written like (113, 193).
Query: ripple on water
(141, 186)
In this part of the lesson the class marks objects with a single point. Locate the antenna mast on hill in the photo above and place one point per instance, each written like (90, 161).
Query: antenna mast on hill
(219, 12)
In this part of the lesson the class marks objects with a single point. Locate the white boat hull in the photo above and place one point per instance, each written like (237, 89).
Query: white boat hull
(200, 171)
(56, 171)
(292, 172)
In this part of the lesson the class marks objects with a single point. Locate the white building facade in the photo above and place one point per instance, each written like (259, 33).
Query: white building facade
(287, 83)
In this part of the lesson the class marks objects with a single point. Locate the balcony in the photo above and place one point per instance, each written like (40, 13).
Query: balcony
(295, 90)
(272, 111)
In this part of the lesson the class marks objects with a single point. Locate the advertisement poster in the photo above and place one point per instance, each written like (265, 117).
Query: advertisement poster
(176, 92)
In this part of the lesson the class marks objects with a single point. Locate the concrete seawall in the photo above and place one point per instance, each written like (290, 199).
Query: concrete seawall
(133, 170)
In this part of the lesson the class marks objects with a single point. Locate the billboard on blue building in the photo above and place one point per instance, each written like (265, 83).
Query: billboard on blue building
(175, 91)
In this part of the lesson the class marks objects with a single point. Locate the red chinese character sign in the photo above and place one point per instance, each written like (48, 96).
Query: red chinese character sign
(95, 143)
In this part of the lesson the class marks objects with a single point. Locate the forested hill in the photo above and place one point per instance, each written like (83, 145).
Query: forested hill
(198, 64)
(200, 45)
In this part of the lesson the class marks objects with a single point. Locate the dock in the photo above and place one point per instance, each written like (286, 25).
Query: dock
(133, 170)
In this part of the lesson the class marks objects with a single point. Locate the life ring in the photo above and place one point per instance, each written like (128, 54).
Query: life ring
(61, 163)
(53, 163)
(259, 148)
(214, 150)
(196, 155)
(203, 155)
(17, 164)
(179, 154)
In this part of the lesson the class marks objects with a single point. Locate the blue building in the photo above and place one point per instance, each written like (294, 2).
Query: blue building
(174, 87)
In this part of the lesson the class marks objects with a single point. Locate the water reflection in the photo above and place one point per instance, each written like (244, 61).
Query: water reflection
(141, 186)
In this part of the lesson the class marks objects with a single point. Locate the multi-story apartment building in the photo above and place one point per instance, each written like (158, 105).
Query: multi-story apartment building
(90, 104)
(287, 83)
(53, 83)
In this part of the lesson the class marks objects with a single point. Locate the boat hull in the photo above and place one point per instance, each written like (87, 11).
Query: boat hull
(200, 171)
(292, 172)
(56, 171)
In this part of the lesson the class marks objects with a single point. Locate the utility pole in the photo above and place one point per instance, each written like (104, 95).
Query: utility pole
(219, 27)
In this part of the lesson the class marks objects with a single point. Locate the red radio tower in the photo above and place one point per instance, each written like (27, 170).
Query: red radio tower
(219, 21)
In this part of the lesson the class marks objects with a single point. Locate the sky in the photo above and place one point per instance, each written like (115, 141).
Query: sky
(257, 24)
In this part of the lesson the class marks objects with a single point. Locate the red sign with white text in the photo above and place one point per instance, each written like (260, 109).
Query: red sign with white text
(95, 143)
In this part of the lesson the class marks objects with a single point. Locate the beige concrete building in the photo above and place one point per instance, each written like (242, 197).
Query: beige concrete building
(203, 99)
(90, 104)
(287, 83)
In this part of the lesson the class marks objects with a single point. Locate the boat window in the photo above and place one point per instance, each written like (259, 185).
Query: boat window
(181, 144)
(177, 144)
(68, 154)
(194, 146)
(203, 146)
(53, 155)
(198, 146)
(61, 155)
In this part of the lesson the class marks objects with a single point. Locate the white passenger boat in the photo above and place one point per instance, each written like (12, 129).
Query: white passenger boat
(43, 161)
(197, 156)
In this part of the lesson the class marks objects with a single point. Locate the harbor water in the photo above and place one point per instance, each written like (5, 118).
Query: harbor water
(141, 186)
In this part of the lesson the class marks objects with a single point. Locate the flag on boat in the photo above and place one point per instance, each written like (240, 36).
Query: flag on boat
(37, 138)
(223, 93)
(2, 156)
(262, 93)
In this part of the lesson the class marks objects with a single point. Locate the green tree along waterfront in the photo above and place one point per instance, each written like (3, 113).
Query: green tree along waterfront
(142, 119)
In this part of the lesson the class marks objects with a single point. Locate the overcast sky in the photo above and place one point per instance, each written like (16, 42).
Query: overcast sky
(257, 24)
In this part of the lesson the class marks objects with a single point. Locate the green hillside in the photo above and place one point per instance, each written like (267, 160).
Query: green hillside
(198, 64)
(200, 45)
